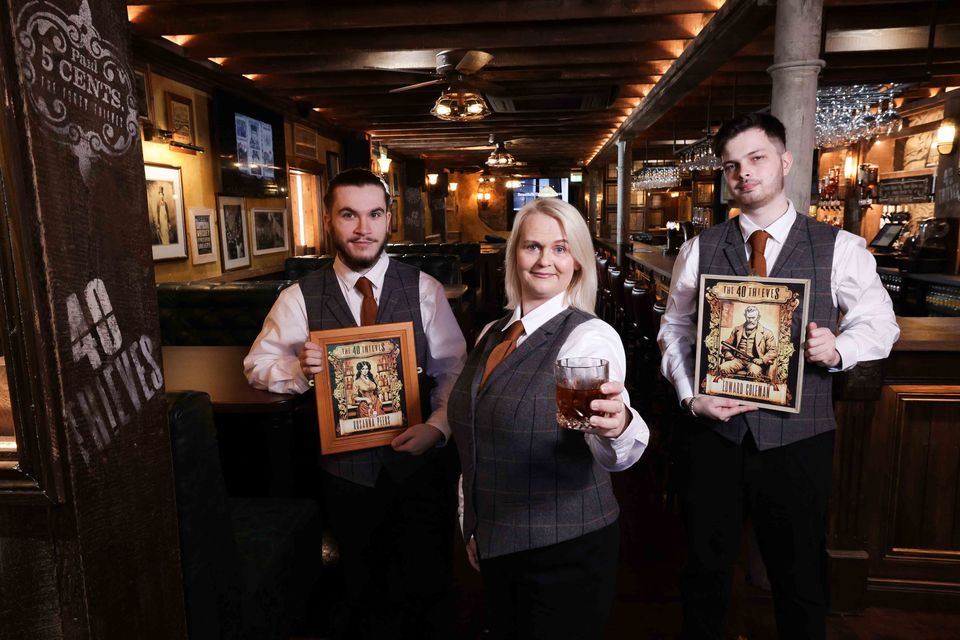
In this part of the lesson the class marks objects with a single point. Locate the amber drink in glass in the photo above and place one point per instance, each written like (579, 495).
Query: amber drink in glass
(578, 384)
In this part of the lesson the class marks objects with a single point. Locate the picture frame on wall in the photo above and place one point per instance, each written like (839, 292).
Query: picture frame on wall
(702, 193)
(304, 142)
(368, 390)
(234, 238)
(203, 234)
(180, 118)
(333, 164)
(269, 231)
(141, 85)
(165, 211)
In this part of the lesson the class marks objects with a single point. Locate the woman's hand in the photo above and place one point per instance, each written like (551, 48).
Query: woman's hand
(614, 416)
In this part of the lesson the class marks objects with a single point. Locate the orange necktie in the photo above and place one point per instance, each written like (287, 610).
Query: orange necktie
(758, 263)
(368, 308)
(502, 350)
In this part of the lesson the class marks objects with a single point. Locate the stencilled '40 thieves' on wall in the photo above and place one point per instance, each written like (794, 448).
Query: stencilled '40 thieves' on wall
(126, 376)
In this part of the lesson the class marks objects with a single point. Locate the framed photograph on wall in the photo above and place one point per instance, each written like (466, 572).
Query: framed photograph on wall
(233, 233)
(203, 234)
(269, 231)
(180, 118)
(165, 211)
(304, 142)
(368, 391)
(333, 165)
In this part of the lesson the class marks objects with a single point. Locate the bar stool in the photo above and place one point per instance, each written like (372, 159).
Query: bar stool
(603, 291)
(615, 279)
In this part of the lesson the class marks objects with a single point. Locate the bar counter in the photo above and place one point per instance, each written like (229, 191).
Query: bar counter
(894, 530)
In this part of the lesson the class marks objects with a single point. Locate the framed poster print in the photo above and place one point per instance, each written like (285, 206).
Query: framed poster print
(202, 225)
(141, 83)
(750, 338)
(702, 193)
(368, 391)
(269, 231)
(165, 211)
(233, 233)
(180, 118)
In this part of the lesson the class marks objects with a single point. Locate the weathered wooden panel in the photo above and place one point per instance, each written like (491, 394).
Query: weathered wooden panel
(81, 175)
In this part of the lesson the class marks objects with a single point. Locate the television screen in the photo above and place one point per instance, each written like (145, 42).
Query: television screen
(250, 148)
(887, 235)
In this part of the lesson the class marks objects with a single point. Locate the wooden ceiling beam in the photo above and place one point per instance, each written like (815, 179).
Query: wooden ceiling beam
(391, 79)
(194, 18)
(885, 17)
(733, 26)
(580, 33)
(425, 59)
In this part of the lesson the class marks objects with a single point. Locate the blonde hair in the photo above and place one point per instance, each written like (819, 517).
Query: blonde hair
(582, 291)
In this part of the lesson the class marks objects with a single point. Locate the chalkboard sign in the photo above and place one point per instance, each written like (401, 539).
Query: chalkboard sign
(905, 190)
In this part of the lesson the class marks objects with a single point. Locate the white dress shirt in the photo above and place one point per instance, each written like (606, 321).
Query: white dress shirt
(273, 363)
(593, 339)
(868, 328)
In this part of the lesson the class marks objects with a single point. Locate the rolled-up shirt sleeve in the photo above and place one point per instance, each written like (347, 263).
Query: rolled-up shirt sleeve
(272, 363)
(678, 333)
(597, 339)
(868, 329)
(447, 349)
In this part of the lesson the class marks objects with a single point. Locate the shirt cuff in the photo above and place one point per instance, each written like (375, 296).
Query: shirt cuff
(846, 346)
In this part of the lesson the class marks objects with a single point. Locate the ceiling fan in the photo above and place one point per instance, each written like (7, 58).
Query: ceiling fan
(455, 67)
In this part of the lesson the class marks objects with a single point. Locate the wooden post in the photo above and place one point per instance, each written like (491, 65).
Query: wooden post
(89, 545)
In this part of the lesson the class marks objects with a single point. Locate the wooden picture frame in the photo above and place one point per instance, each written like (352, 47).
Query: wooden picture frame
(368, 391)
(180, 121)
(270, 231)
(234, 237)
(141, 86)
(771, 374)
(164, 194)
(702, 193)
(305, 142)
(203, 235)
(333, 165)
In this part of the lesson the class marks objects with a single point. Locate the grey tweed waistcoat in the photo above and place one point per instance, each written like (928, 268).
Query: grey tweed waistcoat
(807, 253)
(399, 302)
(527, 483)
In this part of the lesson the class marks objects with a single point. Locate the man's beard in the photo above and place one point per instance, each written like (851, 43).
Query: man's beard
(356, 264)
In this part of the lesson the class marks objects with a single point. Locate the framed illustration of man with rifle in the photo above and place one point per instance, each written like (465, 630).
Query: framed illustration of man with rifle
(750, 340)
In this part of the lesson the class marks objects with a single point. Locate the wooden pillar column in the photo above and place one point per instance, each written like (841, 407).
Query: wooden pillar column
(796, 65)
(624, 165)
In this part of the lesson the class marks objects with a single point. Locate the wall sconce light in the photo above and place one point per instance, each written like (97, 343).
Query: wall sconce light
(156, 134)
(483, 199)
(432, 178)
(946, 134)
(383, 161)
(452, 186)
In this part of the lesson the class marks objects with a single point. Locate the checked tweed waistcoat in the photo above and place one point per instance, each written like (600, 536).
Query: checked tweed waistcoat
(399, 302)
(807, 253)
(527, 483)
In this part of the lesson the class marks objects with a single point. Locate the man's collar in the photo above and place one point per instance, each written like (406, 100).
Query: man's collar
(779, 229)
(374, 274)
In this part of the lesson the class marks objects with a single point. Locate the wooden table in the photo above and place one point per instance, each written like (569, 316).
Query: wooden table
(256, 428)
(219, 372)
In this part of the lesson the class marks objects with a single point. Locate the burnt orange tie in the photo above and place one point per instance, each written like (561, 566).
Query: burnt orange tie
(368, 308)
(502, 350)
(758, 263)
